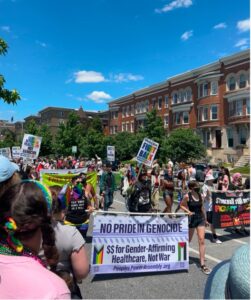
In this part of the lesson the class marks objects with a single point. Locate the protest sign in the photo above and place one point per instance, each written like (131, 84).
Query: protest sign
(31, 146)
(110, 153)
(129, 244)
(5, 152)
(231, 208)
(74, 149)
(16, 151)
(147, 152)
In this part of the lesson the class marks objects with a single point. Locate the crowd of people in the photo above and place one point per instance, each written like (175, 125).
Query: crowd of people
(36, 231)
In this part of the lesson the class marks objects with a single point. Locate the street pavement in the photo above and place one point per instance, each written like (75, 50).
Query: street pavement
(162, 285)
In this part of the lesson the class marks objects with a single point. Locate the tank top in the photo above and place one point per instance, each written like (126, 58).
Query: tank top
(193, 205)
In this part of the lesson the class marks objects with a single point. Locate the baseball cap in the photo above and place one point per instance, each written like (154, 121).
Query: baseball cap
(7, 168)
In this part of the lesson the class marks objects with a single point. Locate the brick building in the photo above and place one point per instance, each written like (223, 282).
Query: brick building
(214, 100)
(53, 116)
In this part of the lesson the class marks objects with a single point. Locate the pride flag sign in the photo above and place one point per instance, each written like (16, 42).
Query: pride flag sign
(147, 152)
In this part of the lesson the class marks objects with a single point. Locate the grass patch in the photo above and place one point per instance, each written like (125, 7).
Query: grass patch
(243, 170)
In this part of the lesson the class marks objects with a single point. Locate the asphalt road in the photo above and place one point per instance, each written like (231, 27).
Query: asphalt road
(168, 285)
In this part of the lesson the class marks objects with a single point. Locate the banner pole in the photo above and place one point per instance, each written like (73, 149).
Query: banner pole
(137, 213)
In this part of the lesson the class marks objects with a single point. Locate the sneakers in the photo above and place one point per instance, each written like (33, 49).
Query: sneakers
(205, 269)
(216, 241)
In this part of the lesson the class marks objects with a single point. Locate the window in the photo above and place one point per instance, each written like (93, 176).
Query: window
(200, 112)
(231, 85)
(239, 106)
(243, 135)
(205, 114)
(214, 112)
(127, 126)
(123, 127)
(242, 83)
(175, 98)
(159, 103)
(128, 111)
(247, 106)
(188, 95)
(123, 111)
(153, 102)
(206, 138)
(177, 118)
(132, 110)
(111, 130)
(230, 138)
(147, 105)
(166, 101)
(115, 128)
(132, 126)
(185, 117)
(214, 88)
(205, 89)
(166, 120)
(200, 90)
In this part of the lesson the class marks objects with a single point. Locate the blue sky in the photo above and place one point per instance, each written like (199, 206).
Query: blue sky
(73, 53)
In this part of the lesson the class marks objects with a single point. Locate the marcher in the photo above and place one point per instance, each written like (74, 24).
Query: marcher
(192, 203)
(167, 185)
(139, 198)
(73, 260)
(155, 180)
(8, 174)
(90, 193)
(207, 190)
(24, 226)
(191, 172)
(107, 186)
(182, 183)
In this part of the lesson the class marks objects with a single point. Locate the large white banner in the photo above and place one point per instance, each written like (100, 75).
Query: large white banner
(147, 152)
(5, 152)
(31, 146)
(139, 244)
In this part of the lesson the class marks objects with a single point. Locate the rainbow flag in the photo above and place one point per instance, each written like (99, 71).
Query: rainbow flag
(98, 256)
(65, 196)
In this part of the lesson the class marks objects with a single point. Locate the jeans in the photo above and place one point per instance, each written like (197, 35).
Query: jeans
(108, 199)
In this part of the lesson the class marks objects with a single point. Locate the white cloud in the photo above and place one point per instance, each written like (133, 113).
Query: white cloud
(5, 28)
(243, 25)
(42, 44)
(186, 35)
(173, 5)
(88, 76)
(241, 43)
(125, 77)
(220, 26)
(99, 96)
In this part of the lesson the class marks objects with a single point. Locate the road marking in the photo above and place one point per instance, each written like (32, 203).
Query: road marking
(207, 256)
(228, 238)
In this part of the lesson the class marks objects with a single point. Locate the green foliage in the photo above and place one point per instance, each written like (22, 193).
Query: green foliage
(183, 145)
(9, 139)
(31, 128)
(69, 135)
(96, 124)
(243, 170)
(92, 144)
(47, 140)
(5, 94)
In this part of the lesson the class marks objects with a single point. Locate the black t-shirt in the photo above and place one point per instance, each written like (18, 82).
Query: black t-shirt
(76, 213)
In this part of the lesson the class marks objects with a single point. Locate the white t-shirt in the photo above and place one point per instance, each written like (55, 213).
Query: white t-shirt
(207, 196)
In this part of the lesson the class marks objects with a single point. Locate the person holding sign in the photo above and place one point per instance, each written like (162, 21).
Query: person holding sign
(192, 203)
(107, 186)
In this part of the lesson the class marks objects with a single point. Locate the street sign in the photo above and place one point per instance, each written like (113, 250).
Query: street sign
(110, 153)
(74, 149)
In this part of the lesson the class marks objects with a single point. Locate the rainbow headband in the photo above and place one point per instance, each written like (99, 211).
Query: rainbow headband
(46, 192)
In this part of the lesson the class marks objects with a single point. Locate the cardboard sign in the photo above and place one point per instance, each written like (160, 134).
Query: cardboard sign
(6, 152)
(147, 152)
(16, 152)
(110, 153)
(31, 146)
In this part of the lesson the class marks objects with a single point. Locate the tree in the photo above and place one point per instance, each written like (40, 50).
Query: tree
(68, 135)
(96, 124)
(47, 140)
(92, 143)
(9, 139)
(183, 145)
(5, 94)
(32, 128)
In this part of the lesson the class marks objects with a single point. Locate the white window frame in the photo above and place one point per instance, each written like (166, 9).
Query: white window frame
(211, 112)
(212, 88)
(204, 89)
(166, 101)
(166, 121)
(203, 114)
(232, 76)
(239, 105)
(239, 82)
(185, 112)
(132, 126)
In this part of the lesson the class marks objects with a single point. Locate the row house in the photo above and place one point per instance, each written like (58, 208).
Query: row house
(214, 100)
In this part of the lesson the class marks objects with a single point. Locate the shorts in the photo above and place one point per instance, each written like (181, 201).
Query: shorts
(196, 220)
(167, 193)
(210, 217)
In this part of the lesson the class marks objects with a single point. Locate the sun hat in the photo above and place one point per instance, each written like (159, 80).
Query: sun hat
(231, 278)
(209, 177)
(7, 168)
